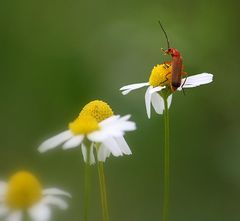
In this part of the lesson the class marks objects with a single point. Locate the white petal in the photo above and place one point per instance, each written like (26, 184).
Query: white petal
(158, 103)
(169, 100)
(125, 117)
(14, 216)
(148, 101)
(112, 127)
(3, 211)
(103, 153)
(109, 120)
(40, 212)
(92, 158)
(120, 123)
(3, 188)
(126, 89)
(55, 191)
(73, 142)
(156, 89)
(123, 145)
(134, 86)
(98, 136)
(84, 153)
(121, 126)
(56, 201)
(55, 141)
(196, 80)
(113, 146)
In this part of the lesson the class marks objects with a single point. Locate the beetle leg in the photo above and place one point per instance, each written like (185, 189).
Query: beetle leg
(184, 83)
(165, 65)
(184, 80)
(167, 79)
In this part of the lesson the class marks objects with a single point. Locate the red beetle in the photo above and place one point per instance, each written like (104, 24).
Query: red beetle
(176, 63)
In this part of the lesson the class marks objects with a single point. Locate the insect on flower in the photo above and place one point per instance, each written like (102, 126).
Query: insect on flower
(176, 63)
(165, 79)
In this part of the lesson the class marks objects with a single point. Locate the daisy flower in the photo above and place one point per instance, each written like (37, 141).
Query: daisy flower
(98, 125)
(23, 195)
(160, 82)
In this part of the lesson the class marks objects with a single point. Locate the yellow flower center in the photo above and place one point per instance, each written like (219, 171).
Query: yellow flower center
(100, 110)
(24, 190)
(84, 125)
(161, 75)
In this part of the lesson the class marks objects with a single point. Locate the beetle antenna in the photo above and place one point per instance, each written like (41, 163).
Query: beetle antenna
(165, 33)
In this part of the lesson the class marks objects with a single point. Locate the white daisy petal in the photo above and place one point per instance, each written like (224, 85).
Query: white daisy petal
(84, 152)
(40, 212)
(158, 103)
(118, 123)
(99, 136)
(134, 86)
(113, 146)
(148, 101)
(55, 141)
(121, 126)
(3, 186)
(127, 89)
(73, 142)
(56, 201)
(123, 145)
(126, 117)
(103, 153)
(156, 89)
(196, 80)
(114, 128)
(169, 100)
(14, 216)
(3, 211)
(126, 92)
(109, 120)
(127, 126)
(92, 158)
(55, 191)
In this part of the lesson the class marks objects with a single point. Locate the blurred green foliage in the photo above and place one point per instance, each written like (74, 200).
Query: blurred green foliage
(55, 56)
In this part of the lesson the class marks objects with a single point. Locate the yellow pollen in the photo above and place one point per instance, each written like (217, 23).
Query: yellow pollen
(84, 125)
(98, 109)
(161, 75)
(24, 190)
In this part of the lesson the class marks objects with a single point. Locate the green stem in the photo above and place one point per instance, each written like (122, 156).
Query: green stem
(25, 216)
(166, 195)
(87, 185)
(103, 191)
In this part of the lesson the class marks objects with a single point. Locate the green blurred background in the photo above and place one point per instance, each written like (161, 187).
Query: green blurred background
(55, 56)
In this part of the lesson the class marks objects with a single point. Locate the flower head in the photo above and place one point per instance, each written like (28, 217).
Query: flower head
(24, 193)
(97, 124)
(98, 109)
(160, 81)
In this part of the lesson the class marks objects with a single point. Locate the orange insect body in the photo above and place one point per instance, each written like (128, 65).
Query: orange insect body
(176, 63)
(176, 67)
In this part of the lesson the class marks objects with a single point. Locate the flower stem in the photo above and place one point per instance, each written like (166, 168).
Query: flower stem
(166, 195)
(25, 216)
(87, 185)
(103, 191)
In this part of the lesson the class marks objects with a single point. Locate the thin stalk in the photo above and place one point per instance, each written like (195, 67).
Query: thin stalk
(87, 185)
(25, 216)
(166, 175)
(103, 191)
